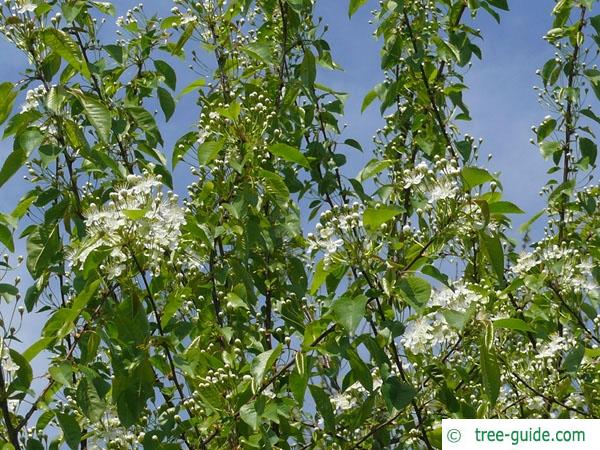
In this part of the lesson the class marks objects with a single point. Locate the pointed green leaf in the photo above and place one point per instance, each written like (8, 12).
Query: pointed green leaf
(415, 290)
(263, 363)
(490, 371)
(289, 153)
(208, 151)
(324, 406)
(397, 394)
(355, 5)
(61, 43)
(192, 87)
(98, 115)
(167, 104)
(7, 100)
(373, 218)
(71, 430)
(166, 71)
(349, 311)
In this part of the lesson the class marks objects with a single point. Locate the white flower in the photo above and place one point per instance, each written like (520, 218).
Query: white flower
(413, 179)
(12, 405)
(552, 348)
(343, 402)
(188, 18)
(139, 220)
(525, 263)
(33, 98)
(8, 365)
(417, 336)
(442, 191)
(26, 6)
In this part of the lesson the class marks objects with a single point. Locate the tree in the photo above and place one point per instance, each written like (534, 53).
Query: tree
(216, 319)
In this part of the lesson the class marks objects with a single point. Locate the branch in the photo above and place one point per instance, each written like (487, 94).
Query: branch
(13, 433)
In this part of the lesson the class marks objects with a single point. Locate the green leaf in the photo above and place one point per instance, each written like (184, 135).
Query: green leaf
(260, 51)
(8, 291)
(373, 167)
(588, 149)
(105, 7)
(503, 207)
(185, 36)
(354, 6)
(131, 391)
(573, 359)
(23, 375)
(135, 214)
(249, 415)
(146, 122)
(166, 71)
(192, 87)
(29, 140)
(319, 277)
(564, 190)
(167, 104)
(360, 370)
(89, 401)
(275, 186)
(182, 146)
(59, 324)
(37, 347)
(71, 430)
(415, 290)
(84, 297)
(513, 324)
(62, 373)
(324, 406)
(116, 52)
(349, 311)
(456, 319)
(174, 303)
(98, 115)
(299, 377)
(488, 365)
(232, 111)
(549, 148)
(6, 237)
(13, 163)
(7, 100)
(308, 69)
(263, 363)
(354, 144)
(373, 218)
(371, 95)
(397, 394)
(492, 249)
(545, 129)
(63, 45)
(42, 249)
(289, 153)
(34, 444)
(475, 176)
(208, 151)
(19, 121)
(500, 4)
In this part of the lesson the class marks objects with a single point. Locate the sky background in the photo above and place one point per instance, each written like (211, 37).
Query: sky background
(502, 102)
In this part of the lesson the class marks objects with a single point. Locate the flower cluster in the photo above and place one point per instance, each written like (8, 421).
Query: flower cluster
(566, 268)
(423, 334)
(335, 225)
(138, 221)
(8, 365)
(33, 98)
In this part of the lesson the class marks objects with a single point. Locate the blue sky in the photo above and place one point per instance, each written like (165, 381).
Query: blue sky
(502, 102)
